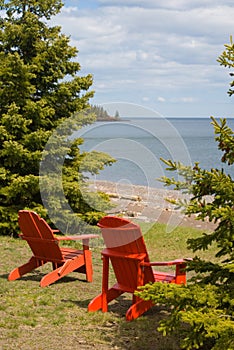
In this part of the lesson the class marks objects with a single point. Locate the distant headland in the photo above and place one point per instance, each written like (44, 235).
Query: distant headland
(103, 116)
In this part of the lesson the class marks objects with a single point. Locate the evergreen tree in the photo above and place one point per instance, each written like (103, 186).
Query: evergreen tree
(117, 116)
(39, 89)
(203, 311)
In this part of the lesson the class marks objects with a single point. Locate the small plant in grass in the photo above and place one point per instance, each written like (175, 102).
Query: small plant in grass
(203, 310)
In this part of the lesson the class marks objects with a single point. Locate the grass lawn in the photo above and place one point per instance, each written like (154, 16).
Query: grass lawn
(56, 317)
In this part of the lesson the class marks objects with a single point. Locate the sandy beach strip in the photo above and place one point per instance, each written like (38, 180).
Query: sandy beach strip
(147, 204)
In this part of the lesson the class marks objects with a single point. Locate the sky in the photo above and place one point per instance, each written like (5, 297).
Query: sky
(161, 55)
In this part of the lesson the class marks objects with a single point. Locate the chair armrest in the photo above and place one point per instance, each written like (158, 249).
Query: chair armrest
(166, 263)
(75, 238)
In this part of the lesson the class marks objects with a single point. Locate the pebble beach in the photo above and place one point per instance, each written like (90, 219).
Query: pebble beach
(147, 204)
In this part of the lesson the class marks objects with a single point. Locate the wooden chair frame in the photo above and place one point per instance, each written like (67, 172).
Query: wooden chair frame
(45, 247)
(131, 265)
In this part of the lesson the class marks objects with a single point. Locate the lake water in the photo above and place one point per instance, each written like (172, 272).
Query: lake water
(139, 143)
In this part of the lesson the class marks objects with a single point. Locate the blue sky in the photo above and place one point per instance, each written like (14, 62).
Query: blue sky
(158, 54)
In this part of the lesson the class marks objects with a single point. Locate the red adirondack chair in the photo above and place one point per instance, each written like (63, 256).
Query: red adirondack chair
(126, 250)
(45, 247)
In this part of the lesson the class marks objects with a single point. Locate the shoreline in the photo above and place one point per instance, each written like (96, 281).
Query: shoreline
(147, 204)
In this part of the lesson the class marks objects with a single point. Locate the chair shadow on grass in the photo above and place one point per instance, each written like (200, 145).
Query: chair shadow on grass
(36, 276)
(139, 334)
(4, 276)
(142, 333)
(117, 307)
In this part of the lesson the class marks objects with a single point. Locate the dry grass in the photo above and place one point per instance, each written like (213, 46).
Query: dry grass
(56, 317)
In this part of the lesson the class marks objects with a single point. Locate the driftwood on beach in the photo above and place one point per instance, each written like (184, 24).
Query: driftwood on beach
(147, 204)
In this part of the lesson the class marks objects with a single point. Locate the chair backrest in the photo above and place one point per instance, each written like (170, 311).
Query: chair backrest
(124, 237)
(39, 236)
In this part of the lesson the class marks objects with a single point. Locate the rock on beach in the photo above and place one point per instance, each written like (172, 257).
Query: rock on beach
(147, 204)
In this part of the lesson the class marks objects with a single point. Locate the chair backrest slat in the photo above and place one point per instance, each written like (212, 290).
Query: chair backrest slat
(123, 236)
(32, 226)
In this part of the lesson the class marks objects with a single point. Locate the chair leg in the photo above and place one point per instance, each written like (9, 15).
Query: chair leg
(88, 265)
(96, 303)
(100, 302)
(51, 277)
(18, 272)
(68, 267)
(137, 309)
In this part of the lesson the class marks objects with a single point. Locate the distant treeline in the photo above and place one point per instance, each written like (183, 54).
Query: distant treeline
(102, 114)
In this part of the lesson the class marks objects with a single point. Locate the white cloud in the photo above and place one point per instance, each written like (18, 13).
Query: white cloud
(186, 99)
(139, 49)
(169, 4)
(161, 99)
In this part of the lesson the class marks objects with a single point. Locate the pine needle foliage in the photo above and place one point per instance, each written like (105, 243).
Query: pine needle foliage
(40, 89)
(202, 312)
